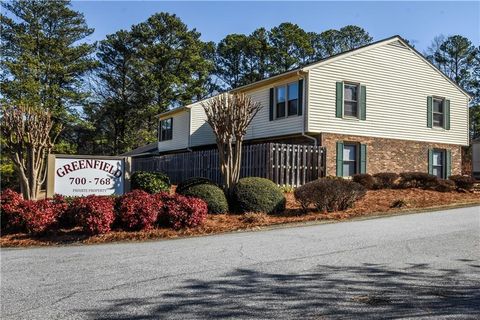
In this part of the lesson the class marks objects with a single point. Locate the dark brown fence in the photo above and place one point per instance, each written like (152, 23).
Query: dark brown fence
(285, 164)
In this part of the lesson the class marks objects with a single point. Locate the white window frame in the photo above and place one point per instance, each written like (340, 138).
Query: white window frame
(357, 157)
(285, 86)
(442, 99)
(443, 156)
(351, 84)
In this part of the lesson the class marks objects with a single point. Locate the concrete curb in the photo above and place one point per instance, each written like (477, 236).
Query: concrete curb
(368, 216)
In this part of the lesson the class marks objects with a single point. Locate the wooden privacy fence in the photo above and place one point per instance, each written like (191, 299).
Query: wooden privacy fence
(285, 164)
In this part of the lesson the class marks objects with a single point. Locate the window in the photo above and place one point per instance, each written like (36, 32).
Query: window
(280, 102)
(438, 112)
(166, 129)
(438, 163)
(293, 99)
(350, 100)
(350, 152)
(286, 100)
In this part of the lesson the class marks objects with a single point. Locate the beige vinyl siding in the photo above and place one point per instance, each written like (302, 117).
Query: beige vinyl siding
(201, 132)
(261, 126)
(180, 133)
(397, 83)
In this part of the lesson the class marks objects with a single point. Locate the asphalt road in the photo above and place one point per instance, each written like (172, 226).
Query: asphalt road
(413, 266)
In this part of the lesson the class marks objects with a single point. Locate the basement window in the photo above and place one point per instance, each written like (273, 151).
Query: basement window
(438, 163)
(350, 162)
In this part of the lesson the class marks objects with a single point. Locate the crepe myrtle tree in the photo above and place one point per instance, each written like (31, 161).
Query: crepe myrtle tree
(229, 116)
(27, 140)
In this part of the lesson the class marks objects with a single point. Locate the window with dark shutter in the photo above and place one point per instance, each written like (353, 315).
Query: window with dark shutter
(292, 98)
(350, 100)
(438, 112)
(286, 100)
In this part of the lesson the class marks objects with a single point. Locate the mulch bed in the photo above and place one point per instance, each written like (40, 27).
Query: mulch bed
(375, 203)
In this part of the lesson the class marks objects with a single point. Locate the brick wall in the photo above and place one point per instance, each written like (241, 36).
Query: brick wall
(390, 155)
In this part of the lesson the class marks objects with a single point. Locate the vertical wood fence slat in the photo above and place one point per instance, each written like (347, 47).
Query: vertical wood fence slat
(285, 164)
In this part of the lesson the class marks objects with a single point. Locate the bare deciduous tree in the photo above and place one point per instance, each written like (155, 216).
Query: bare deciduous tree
(229, 116)
(26, 135)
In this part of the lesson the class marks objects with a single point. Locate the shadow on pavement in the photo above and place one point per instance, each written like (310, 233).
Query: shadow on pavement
(366, 291)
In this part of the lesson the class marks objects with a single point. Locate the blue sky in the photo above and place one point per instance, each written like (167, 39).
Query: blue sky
(419, 22)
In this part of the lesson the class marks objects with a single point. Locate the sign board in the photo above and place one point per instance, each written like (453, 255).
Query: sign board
(86, 175)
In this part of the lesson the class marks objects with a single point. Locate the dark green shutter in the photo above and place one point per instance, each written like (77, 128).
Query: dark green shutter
(363, 158)
(339, 158)
(447, 114)
(271, 104)
(339, 100)
(429, 111)
(363, 103)
(300, 97)
(448, 164)
(430, 161)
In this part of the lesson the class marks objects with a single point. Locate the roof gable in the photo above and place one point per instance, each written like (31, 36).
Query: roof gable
(395, 41)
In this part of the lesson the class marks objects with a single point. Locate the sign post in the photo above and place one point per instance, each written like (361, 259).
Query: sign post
(77, 175)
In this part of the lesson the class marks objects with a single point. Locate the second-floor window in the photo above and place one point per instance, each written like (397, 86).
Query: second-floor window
(350, 103)
(286, 100)
(166, 129)
(280, 102)
(438, 112)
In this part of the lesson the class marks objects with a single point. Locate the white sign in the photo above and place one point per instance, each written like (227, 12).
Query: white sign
(84, 176)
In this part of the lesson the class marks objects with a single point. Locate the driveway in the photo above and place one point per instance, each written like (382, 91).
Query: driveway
(413, 266)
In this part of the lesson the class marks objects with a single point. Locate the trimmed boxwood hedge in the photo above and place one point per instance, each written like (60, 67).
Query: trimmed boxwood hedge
(151, 182)
(190, 182)
(208, 192)
(254, 194)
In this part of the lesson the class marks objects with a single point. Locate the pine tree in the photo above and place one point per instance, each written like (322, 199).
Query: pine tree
(44, 59)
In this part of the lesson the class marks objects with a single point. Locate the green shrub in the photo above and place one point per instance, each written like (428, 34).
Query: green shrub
(385, 180)
(151, 182)
(329, 194)
(418, 180)
(186, 184)
(463, 182)
(254, 194)
(210, 193)
(365, 180)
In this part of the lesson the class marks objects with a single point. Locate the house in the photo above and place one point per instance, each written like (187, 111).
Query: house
(379, 108)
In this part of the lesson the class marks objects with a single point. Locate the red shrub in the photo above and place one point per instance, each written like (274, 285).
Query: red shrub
(181, 212)
(42, 215)
(33, 216)
(138, 210)
(11, 211)
(95, 214)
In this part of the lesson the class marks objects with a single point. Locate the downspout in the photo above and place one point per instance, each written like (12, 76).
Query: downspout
(306, 84)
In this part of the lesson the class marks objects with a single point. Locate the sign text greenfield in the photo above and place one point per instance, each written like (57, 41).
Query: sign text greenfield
(86, 175)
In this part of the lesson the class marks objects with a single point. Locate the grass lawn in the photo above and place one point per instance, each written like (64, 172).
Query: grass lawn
(375, 203)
